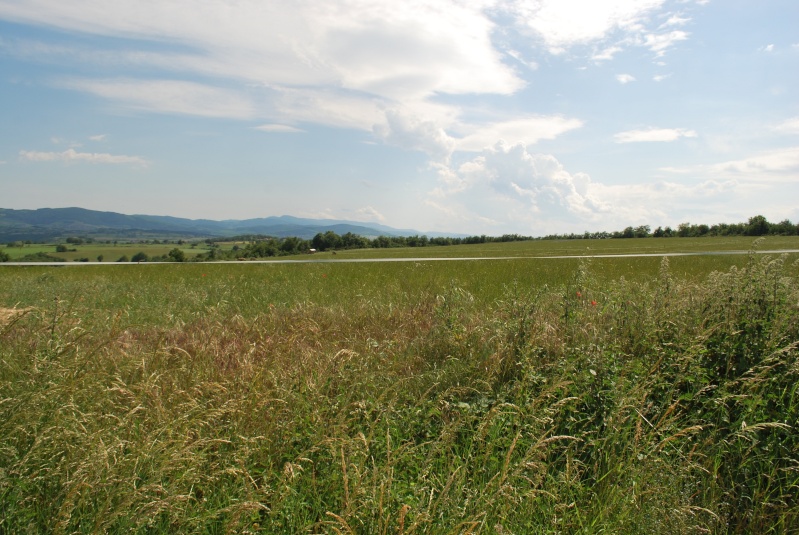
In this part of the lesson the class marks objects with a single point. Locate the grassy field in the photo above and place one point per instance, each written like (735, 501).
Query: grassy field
(110, 252)
(578, 247)
(627, 395)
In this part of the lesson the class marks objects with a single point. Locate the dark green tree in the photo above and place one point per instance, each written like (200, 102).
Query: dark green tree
(327, 241)
(177, 255)
(757, 226)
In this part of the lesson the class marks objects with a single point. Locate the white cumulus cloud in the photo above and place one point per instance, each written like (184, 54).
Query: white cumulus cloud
(72, 156)
(410, 132)
(565, 23)
(537, 180)
(625, 78)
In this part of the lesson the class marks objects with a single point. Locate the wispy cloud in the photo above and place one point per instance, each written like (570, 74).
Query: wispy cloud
(99, 137)
(779, 161)
(168, 96)
(660, 43)
(279, 128)
(353, 54)
(528, 130)
(625, 78)
(788, 126)
(368, 213)
(606, 54)
(773, 166)
(72, 156)
(675, 20)
(653, 134)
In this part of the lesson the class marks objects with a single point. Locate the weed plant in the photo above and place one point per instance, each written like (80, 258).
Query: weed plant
(359, 402)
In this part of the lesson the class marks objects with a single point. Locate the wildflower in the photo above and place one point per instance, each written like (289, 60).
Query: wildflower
(593, 303)
(324, 275)
(579, 294)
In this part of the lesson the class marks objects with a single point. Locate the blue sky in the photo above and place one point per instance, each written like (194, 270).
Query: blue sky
(476, 117)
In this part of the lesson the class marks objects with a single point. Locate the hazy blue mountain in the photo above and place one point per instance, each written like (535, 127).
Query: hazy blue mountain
(47, 224)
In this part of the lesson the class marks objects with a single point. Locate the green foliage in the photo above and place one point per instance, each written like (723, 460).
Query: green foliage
(4, 256)
(40, 257)
(176, 255)
(141, 256)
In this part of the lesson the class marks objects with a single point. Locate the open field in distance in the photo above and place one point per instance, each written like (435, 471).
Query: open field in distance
(112, 252)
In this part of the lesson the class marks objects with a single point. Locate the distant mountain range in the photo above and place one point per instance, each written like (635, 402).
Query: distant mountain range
(47, 224)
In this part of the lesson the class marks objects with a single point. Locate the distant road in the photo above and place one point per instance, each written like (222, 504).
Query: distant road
(313, 260)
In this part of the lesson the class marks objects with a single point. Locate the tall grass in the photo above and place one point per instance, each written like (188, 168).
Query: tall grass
(593, 404)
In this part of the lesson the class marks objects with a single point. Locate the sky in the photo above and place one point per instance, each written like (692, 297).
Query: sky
(471, 117)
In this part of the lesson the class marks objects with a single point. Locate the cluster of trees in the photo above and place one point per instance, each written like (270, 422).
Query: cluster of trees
(175, 255)
(266, 246)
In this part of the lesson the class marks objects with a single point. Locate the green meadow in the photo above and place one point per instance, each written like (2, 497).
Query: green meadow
(111, 252)
(108, 251)
(523, 395)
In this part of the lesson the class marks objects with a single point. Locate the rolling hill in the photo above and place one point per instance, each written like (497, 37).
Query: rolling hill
(46, 224)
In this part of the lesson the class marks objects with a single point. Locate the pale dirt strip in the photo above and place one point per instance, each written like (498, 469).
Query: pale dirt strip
(7, 315)
(312, 260)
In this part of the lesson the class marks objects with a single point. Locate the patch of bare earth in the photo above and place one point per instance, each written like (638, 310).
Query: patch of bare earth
(7, 315)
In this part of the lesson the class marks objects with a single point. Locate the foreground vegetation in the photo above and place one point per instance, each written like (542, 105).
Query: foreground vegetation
(622, 396)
